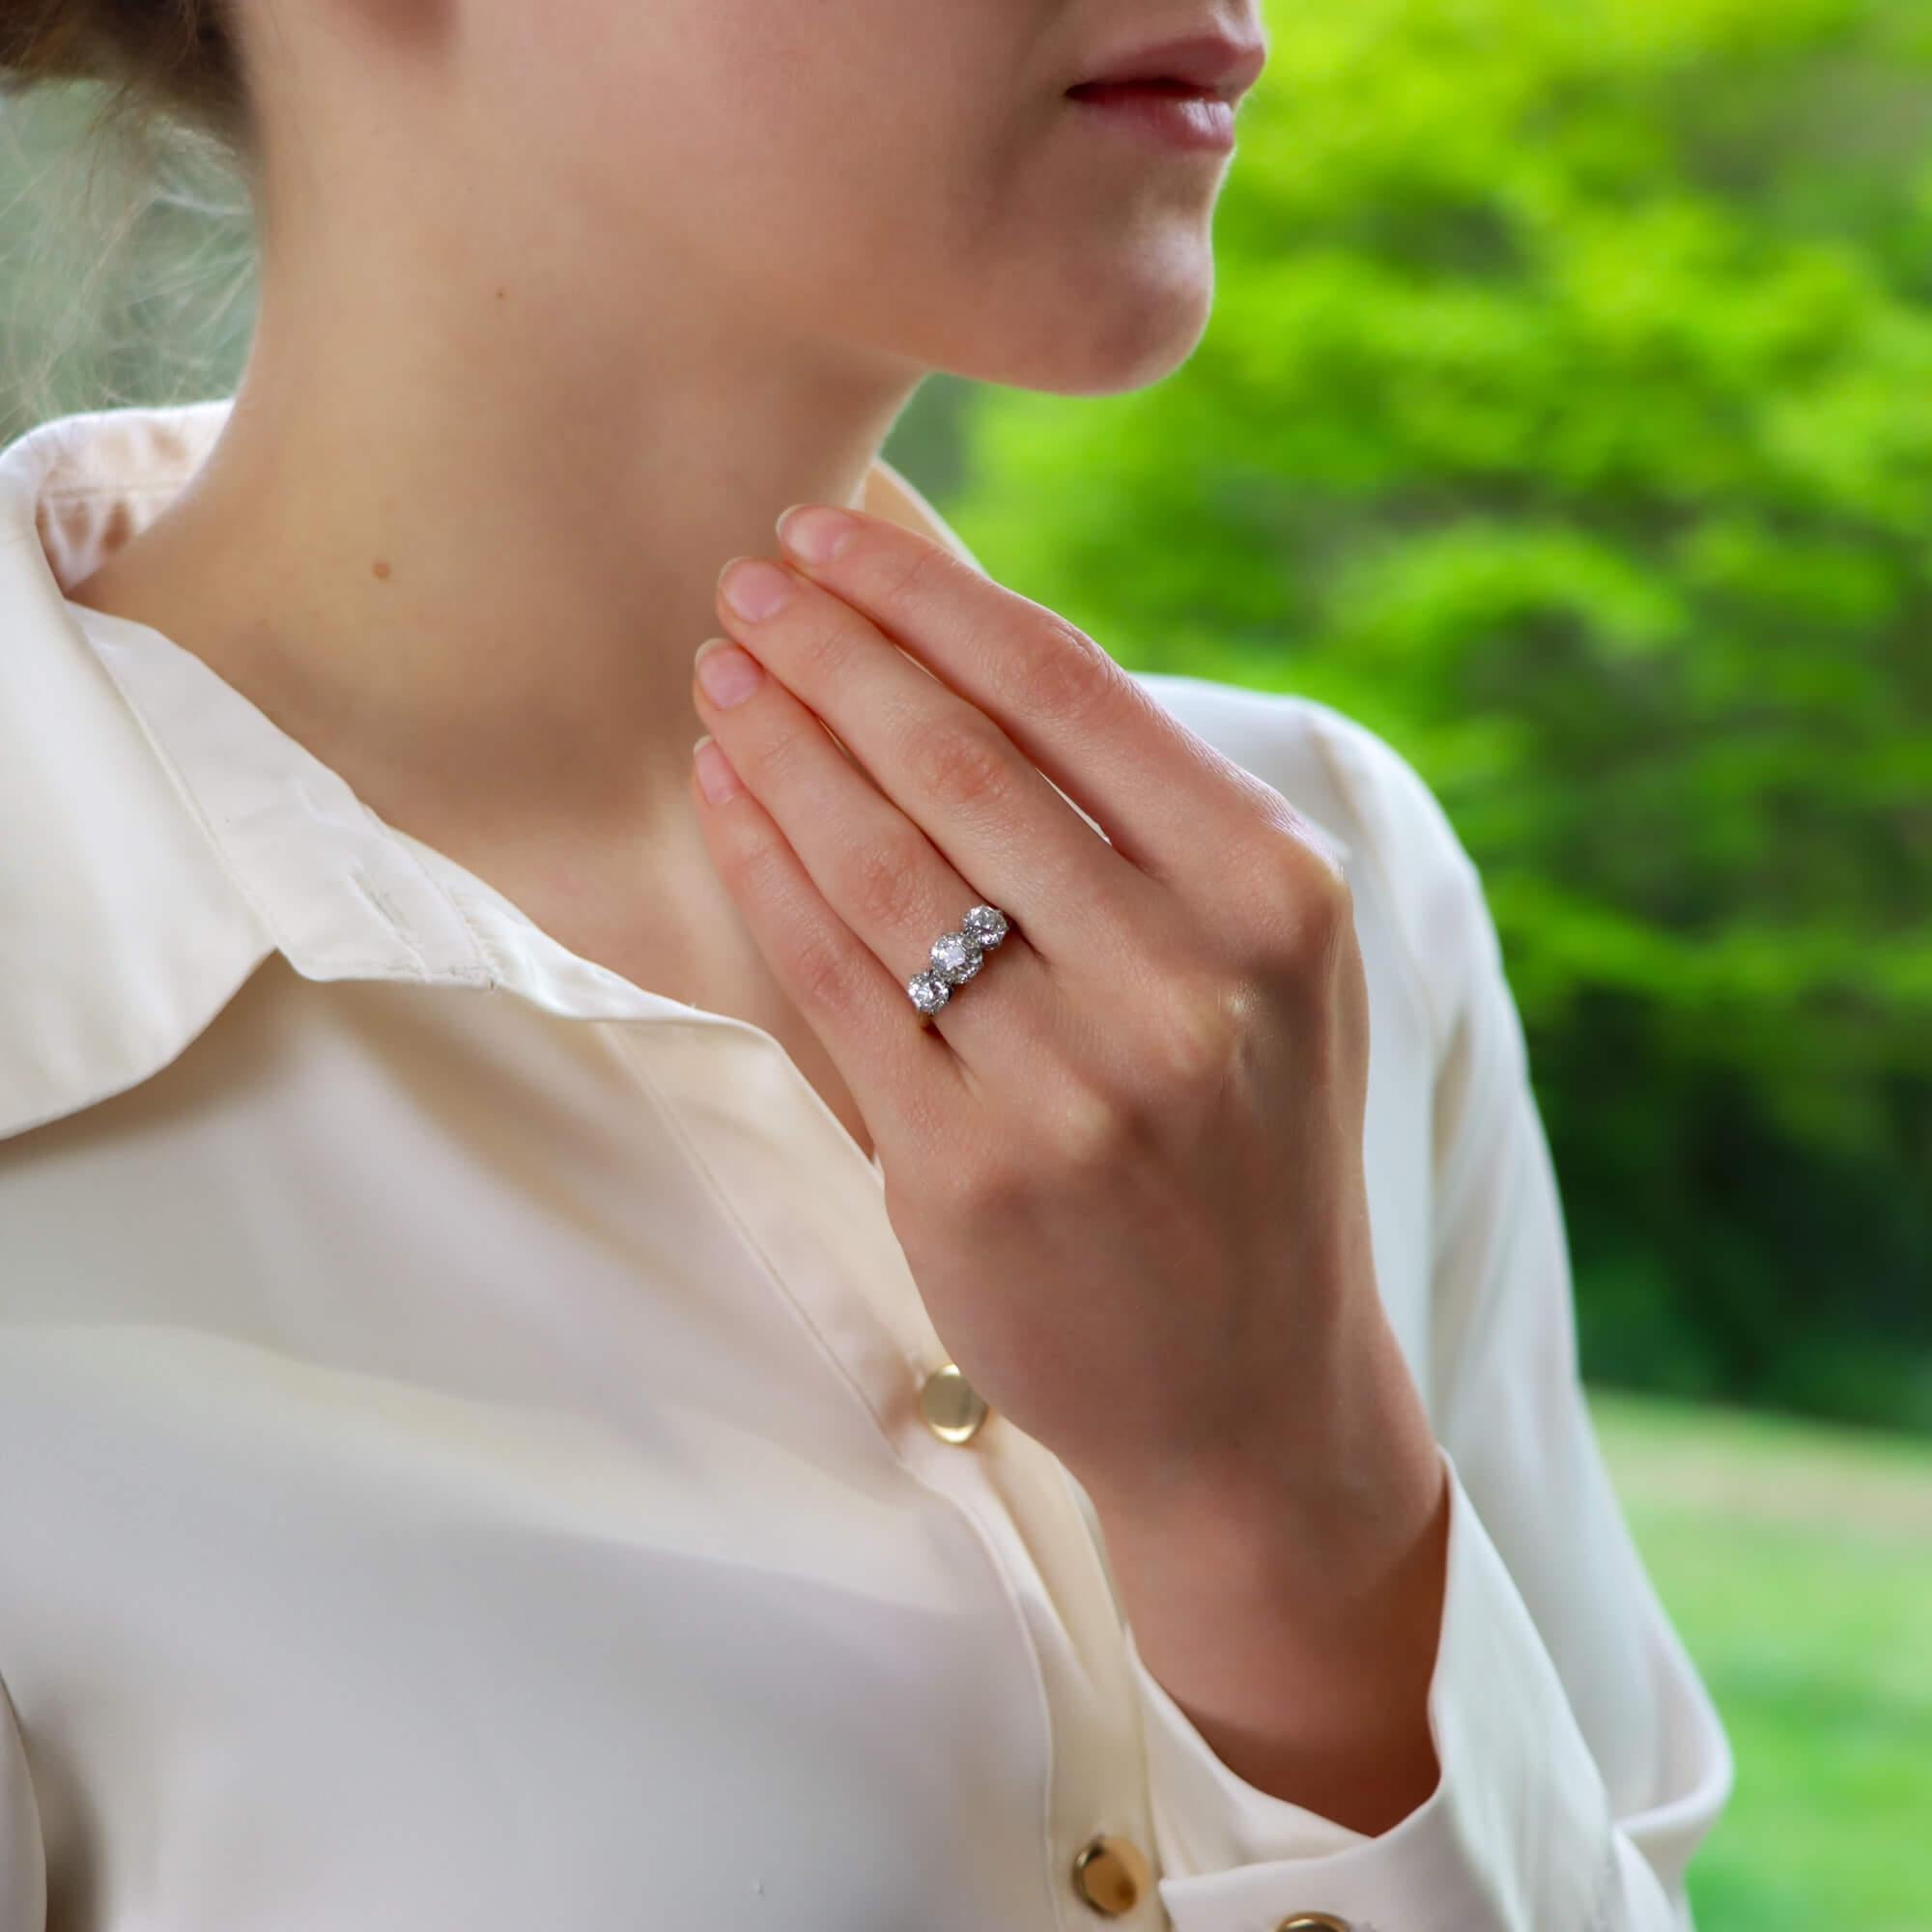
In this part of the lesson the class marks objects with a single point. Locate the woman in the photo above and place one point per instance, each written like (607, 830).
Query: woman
(841, 1329)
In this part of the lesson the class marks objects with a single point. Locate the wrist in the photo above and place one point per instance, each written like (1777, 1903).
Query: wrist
(1298, 1629)
(1340, 1466)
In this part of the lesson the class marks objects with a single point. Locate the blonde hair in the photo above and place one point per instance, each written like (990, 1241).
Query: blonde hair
(172, 57)
(115, 300)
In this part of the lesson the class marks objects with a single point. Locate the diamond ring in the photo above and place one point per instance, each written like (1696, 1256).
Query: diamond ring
(955, 957)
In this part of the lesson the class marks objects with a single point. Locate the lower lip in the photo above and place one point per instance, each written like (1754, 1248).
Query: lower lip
(1175, 120)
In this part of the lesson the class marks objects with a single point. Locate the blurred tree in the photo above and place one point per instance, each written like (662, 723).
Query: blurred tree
(1567, 416)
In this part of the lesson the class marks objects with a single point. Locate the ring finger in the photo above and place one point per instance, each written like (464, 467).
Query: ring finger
(876, 869)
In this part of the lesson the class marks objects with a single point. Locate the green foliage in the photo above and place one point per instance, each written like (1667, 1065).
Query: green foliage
(1796, 1561)
(1567, 416)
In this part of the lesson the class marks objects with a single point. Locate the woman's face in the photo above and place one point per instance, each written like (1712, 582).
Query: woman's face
(905, 180)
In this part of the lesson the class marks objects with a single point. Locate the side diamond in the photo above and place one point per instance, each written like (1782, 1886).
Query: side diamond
(987, 924)
(930, 992)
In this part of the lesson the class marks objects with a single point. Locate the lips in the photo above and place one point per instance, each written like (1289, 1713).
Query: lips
(1201, 63)
(1175, 115)
(1102, 90)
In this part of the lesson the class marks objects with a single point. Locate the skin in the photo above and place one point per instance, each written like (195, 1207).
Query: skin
(542, 358)
(560, 309)
(1124, 1161)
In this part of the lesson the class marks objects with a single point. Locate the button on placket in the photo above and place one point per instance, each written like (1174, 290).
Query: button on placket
(952, 1408)
(1112, 1874)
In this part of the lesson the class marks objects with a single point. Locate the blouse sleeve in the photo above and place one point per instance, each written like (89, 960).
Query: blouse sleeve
(1581, 1757)
(23, 1875)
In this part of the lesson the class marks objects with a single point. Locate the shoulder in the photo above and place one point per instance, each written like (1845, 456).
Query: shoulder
(1401, 852)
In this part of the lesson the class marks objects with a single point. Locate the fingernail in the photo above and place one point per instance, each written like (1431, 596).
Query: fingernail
(755, 588)
(715, 778)
(728, 674)
(815, 533)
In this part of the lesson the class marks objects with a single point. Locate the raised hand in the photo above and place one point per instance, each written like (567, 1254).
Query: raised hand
(1124, 1158)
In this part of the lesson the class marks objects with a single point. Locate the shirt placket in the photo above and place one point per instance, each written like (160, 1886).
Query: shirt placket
(819, 1228)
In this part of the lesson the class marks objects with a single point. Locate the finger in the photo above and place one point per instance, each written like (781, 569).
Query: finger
(943, 765)
(876, 870)
(902, 1076)
(1161, 792)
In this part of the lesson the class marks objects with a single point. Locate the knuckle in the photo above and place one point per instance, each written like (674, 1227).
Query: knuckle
(957, 764)
(1092, 1127)
(1304, 851)
(981, 1192)
(918, 583)
(1292, 833)
(822, 972)
(1322, 888)
(817, 653)
(884, 886)
(1065, 675)
(1196, 1045)
(782, 760)
(1314, 905)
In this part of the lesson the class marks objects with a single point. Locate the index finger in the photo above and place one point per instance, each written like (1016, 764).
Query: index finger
(1161, 793)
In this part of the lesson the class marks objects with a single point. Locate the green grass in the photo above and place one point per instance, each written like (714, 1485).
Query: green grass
(1796, 1559)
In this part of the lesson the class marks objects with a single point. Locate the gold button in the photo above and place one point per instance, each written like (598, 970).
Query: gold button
(1110, 1874)
(1313, 1921)
(952, 1408)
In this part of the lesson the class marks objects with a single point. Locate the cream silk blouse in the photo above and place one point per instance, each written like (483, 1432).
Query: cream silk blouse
(473, 1456)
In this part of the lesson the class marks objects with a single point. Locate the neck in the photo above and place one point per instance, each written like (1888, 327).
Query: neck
(468, 564)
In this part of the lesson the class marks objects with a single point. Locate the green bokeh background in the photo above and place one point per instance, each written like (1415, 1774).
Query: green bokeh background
(1566, 416)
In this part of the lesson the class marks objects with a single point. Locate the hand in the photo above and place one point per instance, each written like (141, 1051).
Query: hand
(1125, 1160)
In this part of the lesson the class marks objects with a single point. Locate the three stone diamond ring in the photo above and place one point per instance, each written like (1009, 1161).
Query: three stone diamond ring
(955, 957)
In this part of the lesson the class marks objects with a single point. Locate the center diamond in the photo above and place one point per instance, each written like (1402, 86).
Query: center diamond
(956, 956)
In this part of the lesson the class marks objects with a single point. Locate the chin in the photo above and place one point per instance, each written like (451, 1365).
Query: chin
(1129, 340)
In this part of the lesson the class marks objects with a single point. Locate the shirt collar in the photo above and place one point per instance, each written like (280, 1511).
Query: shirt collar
(174, 836)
